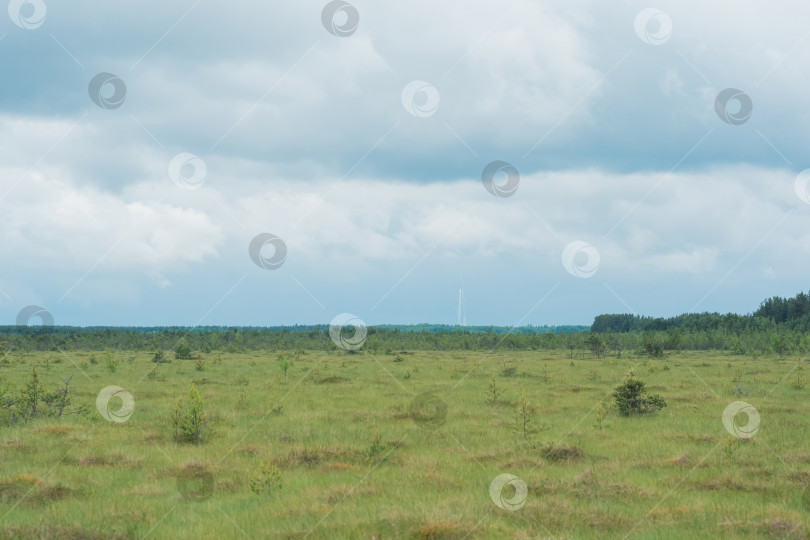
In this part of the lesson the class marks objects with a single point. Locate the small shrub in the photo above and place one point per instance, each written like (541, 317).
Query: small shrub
(736, 389)
(493, 392)
(284, 364)
(731, 445)
(524, 418)
(30, 395)
(189, 418)
(799, 382)
(267, 480)
(182, 351)
(199, 363)
(60, 399)
(375, 449)
(93, 359)
(160, 357)
(111, 362)
(601, 414)
(632, 399)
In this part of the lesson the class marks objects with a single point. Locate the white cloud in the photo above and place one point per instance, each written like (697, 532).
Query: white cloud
(684, 224)
(294, 122)
(55, 225)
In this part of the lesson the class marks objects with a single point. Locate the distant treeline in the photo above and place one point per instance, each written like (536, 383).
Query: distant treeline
(242, 339)
(778, 326)
(774, 314)
(480, 329)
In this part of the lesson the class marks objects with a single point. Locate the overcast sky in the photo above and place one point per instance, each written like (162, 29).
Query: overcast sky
(146, 144)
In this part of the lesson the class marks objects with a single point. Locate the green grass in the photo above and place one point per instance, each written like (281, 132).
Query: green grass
(354, 464)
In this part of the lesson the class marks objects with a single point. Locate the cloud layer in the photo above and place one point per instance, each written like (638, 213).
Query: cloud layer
(374, 182)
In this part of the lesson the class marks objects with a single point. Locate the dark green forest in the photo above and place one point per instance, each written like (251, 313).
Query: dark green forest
(779, 326)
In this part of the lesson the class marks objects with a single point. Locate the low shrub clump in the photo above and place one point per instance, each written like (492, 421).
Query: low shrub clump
(632, 399)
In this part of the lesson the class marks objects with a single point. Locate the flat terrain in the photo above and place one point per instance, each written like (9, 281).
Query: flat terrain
(356, 461)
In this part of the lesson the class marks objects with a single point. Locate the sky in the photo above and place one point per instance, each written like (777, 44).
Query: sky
(285, 162)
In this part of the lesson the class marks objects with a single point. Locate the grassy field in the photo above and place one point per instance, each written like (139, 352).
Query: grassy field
(356, 460)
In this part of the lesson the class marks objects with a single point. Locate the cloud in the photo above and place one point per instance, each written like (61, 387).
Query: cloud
(683, 222)
(545, 85)
(305, 136)
(56, 225)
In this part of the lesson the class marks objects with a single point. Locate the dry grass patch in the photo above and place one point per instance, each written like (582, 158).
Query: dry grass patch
(338, 466)
(681, 461)
(443, 530)
(57, 429)
(33, 488)
(114, 460)
(16, 444)
(51, 532)
(332, 380)
(556, 453)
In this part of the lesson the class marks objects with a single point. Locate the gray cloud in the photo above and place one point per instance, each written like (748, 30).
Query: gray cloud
(280, 110)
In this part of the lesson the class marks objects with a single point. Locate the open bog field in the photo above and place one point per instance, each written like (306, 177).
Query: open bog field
(407, 445)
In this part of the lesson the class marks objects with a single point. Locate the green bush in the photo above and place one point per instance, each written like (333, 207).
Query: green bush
(632, 399)
(30, 395)
(182, 351)
(284, 364)
(189, 418)
(267, 480)
(110, 361)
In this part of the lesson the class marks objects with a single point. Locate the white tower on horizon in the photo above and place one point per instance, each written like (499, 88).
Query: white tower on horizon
(462, 317)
